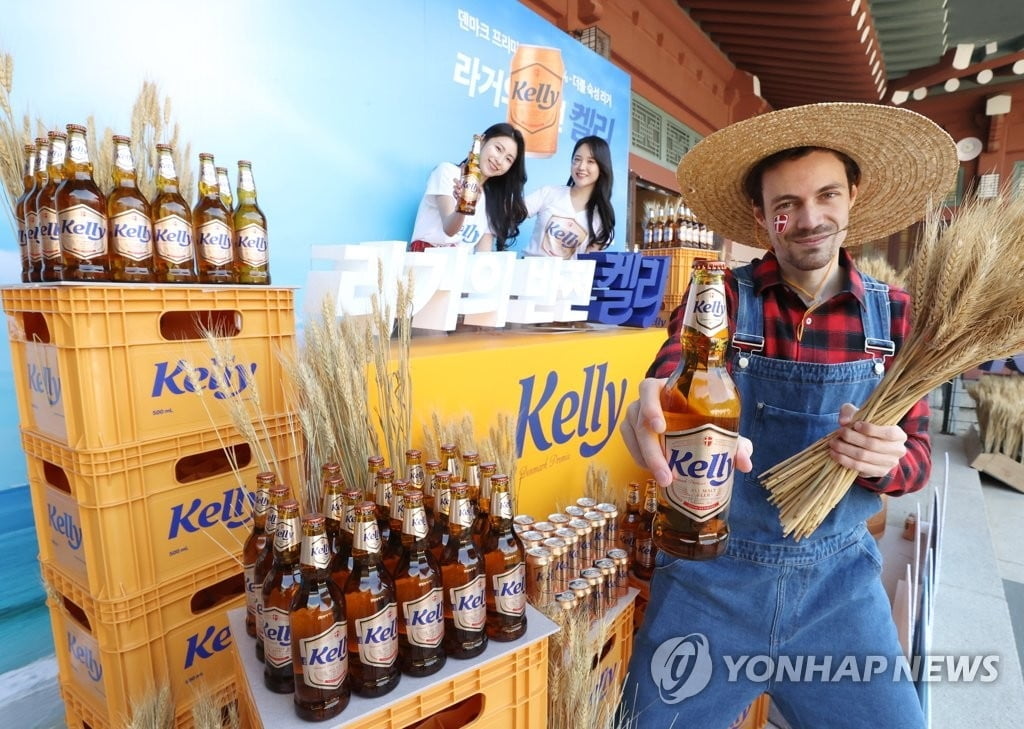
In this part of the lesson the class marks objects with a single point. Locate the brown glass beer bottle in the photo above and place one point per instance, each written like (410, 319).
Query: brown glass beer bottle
(28, 180)
(255, 543)
(131, 227)
(391, 550)
(34, 242)
(82, 212)
(382, 497)
(450, 461)
(279, 588)
(482, 522)
(373, 465)
(630, 521)
(333, 509)
(46, 206)
(644, 548)
(265, 559)
(172, 225)
(505, 566)
(464, 579)
(420, 595)
(251, 243)
(430, 469)
(442, 484)
(372, 611)
(319, 631)
(212, 229)
(224, 189)
(702, 411)
(472, 179)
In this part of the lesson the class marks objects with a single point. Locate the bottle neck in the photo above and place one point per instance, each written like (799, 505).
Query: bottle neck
(208, 187)
(246, 189)
(58, 153)
(166, 176)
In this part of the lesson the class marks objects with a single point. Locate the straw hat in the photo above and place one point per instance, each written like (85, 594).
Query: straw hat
(907, 163)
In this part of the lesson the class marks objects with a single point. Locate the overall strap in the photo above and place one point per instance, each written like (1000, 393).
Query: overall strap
(749, 335)
(876, 318)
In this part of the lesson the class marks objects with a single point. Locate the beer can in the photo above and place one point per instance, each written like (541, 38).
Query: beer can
(559, 569)
(583, 532)
(535, 96)
(573, 565)
(621, 559)
(607, 567)
(595, 579)
(522, 523)
(539, 583)
(611, 527)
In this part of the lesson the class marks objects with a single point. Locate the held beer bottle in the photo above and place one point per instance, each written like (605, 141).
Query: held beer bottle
(255, 543)
(504, 563)
(702, 411)
(131, 227)
(472, 179)
(224, 188)
(82, 212)
(172, 225)
(464, 579)
(644, 548)
(213, 234)
(278, 590)
(442, 485)
(29, 181)
(319, 631)
(251, 244)
(265, 559)
(46, 205)
(35, 244)
(420, 595)
(630, 521)
(372, 612)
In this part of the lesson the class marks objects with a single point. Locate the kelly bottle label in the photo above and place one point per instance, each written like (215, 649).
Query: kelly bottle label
(83, 231)
(130, 232)
(510, 591)
(469, 608)
(378, 637)
(215, 243)
(325, 658)
(702, 463)
(174, 239)
(424, 619)
(277, 637)
(252, 244)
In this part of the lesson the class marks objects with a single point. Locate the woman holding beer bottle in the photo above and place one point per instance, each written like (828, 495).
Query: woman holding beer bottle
(490, 216)
(576, 217)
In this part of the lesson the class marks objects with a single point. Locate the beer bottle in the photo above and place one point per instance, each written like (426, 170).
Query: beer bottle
(644, 548)
(373, 465)
(420, 595)
(172, 225)
(333, 509)
(250, 224)
(414, 472)
(255, 543)
(82, 212)
(630, 521)
(472, 179)
(450, 461)
(702, 411)
(382, 497)
(28, 180)
(224, 188)
(46, 207)
(505, 566)
(649, 228)
(372, 612)
(482, 522)
(464, 579)
(668, 235)
(341, 562)
(391, 551)
(430, 469)
(265, 559)
(442, 485)
(279, 588)
(659, 227)
(35, 244)
(471, 475)
(131, 227)
(213, 233)
(319, 630)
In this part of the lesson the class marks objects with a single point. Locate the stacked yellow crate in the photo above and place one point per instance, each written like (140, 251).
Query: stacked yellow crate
(140, 481)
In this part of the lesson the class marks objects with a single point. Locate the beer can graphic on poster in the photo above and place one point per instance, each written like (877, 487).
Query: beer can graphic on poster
(535, 97)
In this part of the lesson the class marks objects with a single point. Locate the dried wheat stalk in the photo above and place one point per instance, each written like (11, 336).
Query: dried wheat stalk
(206, 714)
(879, 268)
(571, 679)
(13, 138)
(1000, 420)
(966, 283)
(151, 124)
(154, 710)
(394, 381)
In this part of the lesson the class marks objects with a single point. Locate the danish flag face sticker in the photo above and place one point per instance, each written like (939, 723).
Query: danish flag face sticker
(781, 222)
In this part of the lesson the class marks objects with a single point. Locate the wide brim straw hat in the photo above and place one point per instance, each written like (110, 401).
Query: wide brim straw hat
(907, 164)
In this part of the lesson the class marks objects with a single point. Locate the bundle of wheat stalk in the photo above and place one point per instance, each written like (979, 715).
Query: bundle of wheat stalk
(1000, 420)
(13, 138)
(878, 267)
(968, 292)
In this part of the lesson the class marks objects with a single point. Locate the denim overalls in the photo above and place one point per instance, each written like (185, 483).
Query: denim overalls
(773, 614)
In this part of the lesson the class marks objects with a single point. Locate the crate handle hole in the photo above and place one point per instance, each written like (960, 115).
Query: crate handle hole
(461, 714)
(56, 477)
(605, 650)
(182, 325)
(218, 593)
(213, 463)
(36, 328)
(76, 613)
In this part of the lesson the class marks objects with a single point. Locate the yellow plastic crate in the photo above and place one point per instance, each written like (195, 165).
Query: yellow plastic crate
(612, 661)
(127, 520)
(102, 366)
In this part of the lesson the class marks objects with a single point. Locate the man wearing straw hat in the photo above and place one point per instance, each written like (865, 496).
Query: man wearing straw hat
(812, 337)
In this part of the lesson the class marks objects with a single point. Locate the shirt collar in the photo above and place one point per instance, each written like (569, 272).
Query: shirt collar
(767, 273)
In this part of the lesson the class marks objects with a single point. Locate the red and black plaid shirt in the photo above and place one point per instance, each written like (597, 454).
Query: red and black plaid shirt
(829, 333)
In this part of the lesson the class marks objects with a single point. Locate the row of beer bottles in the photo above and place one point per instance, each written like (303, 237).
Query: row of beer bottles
(674, 226)
(68, 230)
(334, 620)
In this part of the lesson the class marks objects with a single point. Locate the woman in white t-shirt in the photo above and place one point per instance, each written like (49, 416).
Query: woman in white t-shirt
(576, 217)
(499, 209)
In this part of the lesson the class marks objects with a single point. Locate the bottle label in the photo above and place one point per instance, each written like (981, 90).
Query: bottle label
(77, 151)
(49, 234)
(83, 231)
(424, 619)
(378, 637)
(165, 167)
(132, 235)
(271, 525)
(252, 244)
(349, 524)
(464, 515)
(35, 247)
(249, 570)
(215, 243)
(325, 657)
(702, 464)
(58, 152)
(261, 502)
(444, 501)
(245, 181)
(469, 607)
(208, 174)
(277, 637)
(286, 534)
(645, 551)
(123, 158)
(316, 551)
(173, 236)
(368, 537)
(416, 475)
(510, 591)
(416, 524)
(503, 506)
(334, 506)
(471, 187)
(705, 311)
